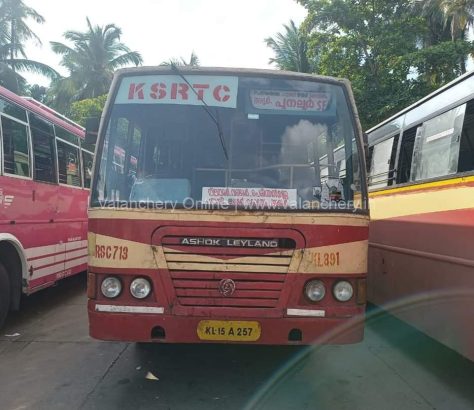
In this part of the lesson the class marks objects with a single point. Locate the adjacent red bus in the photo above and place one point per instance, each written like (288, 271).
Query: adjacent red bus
(45, 174)
(421, 183)
(230, 217)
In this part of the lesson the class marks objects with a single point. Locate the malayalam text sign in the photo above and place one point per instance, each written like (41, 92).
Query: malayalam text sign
(299, 101)
(249, 197)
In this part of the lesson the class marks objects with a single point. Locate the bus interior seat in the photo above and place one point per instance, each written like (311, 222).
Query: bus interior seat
(161, 189)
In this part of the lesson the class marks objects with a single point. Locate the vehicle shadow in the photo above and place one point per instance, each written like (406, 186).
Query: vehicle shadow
(450, 370)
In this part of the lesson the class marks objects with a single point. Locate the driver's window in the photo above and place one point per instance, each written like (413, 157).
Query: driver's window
(162, 152)
(246, 159)
(245, 142)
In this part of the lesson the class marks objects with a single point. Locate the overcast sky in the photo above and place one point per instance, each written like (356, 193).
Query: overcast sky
(221, 32)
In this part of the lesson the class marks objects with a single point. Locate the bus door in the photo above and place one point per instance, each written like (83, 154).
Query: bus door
(72, 203)
(46, 256)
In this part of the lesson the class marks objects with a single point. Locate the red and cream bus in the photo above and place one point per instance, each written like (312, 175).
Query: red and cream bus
(421, 183)
(45, 174)
(229, 220)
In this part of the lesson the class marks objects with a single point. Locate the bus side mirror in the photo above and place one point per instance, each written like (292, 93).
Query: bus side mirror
(92, 129)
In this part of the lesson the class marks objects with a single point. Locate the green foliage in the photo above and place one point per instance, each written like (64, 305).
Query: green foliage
(291, 49)
(11, 80)
(181, 62)
(457, 14)
(91, 59)
(91, 107)
(14, 32)
(386, 48)
(38, 92)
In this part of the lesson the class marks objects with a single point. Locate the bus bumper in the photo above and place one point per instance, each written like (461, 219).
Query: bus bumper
(163, 328)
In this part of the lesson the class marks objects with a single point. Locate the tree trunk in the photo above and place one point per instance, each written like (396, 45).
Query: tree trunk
(463, 58)
(463, 64)
(12, 39)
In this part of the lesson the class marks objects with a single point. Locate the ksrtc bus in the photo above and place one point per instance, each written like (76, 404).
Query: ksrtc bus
(45, 174)
(229, 219)
(421, 183)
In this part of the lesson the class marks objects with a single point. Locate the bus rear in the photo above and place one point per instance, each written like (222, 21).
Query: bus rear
(228, 206)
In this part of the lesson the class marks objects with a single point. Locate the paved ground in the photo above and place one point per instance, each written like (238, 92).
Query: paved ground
(53, 364)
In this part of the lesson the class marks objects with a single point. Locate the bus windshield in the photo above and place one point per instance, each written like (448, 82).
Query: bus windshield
(187, 140)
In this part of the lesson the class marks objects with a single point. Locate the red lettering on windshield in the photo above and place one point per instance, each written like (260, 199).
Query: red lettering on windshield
(218, 93)
(181, 89)
(200, 90)
(136, 90)
(158, 91)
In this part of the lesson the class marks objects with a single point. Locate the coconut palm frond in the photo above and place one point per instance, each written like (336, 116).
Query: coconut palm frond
(91, 57)
(34, 67)
(290, 49)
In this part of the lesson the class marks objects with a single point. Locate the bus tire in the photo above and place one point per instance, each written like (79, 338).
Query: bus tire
(4, 294)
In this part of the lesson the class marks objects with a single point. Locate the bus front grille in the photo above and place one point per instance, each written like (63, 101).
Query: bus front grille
(219, 276)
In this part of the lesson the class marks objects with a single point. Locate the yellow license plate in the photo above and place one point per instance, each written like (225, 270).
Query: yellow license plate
(230, 330)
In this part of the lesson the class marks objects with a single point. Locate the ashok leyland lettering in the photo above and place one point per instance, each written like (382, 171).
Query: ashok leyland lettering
(237, 211)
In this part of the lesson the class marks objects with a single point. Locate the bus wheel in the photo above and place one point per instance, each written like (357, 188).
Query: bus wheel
(4, 294)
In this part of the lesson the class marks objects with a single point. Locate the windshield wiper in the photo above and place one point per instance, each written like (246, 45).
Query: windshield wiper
(206, 108)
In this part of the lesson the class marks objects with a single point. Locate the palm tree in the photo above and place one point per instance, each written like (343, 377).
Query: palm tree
(193, 61)
(38, 92)
(290, 49)
(91, 60)
(458, 15)
(11, 80)
(461, 15)
(13, 33)
(435, 20)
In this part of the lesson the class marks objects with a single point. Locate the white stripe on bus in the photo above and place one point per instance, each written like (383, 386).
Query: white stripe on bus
(61, 257)
(59, 267)
(49, 260)
(76, 254)
(75, 262)
(75, 245)
(44, 250)
(38, 273)
(48, 250)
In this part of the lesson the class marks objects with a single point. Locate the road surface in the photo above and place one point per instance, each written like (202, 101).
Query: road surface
(48, 361)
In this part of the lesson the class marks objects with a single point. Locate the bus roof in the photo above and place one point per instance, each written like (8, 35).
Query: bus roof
(423, 100)
(43, 110)
(149, 70)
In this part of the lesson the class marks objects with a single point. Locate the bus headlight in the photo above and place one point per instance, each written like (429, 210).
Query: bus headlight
(315, 290)
(343, 291)
(140, 288)
(111, 287)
